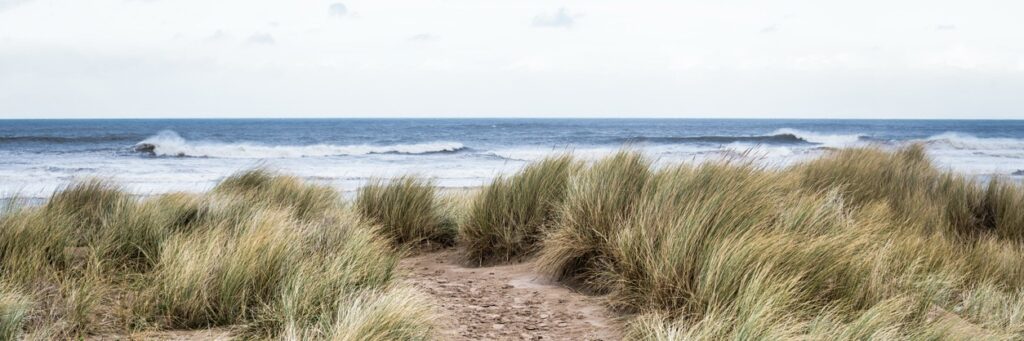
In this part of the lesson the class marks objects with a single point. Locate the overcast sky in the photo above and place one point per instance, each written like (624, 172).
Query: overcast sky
(537, 58)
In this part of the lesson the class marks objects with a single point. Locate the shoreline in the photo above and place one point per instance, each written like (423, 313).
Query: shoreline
(815, 250)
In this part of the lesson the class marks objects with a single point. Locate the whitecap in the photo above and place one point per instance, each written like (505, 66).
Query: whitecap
(827, 140)
(169, 143)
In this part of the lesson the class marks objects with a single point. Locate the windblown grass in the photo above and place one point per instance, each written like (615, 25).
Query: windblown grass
(860, 244)
(260, 186)
(919, 193)
(597, 201)
(378, 316)
(510, 217)
(407, 209)
(262, 251)
(14, 309)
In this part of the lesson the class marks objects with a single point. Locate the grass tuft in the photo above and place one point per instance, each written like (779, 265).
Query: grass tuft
(597, 201)
(859, 244)
(407, 209)
(261, 252)
(510, 217)
(14, 310)
(262, 187)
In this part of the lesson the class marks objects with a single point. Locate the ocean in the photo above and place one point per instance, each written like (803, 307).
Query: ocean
(159, 156)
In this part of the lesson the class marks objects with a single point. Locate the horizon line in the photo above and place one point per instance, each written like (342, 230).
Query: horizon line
(515, 118)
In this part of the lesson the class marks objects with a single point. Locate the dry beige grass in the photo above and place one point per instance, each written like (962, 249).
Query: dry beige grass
(858, 244)
(263, 251)
(510, 217)
(408, 210)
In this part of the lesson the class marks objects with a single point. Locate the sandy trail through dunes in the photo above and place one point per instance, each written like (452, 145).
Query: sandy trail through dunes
(505, 302)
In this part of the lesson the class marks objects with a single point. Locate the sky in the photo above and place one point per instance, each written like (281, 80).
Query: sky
(522, 58)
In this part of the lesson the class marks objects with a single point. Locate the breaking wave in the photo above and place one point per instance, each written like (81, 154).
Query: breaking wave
(717, 139)
(781, 136)
(169, 143)
(828, 140)
(954, 140)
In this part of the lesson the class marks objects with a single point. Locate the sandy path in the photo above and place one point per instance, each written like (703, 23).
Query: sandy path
(507, 302)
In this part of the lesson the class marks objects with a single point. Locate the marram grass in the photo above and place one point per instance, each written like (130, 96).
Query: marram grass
(14, 309)
(510, 217)
(859, 244)
(265, 254)
(596, 202)
(407, 209)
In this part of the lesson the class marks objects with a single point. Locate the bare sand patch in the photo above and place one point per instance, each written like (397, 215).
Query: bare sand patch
(505, 302)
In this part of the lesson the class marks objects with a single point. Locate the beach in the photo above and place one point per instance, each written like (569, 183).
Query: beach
(467, 170)
(855, 243)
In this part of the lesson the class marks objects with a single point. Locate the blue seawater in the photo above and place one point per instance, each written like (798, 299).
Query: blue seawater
(158, 156)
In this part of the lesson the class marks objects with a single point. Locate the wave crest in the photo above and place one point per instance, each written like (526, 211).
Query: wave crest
(956, 140)
(169, 143)
(828, 140)
(720, 139)
(781, 136)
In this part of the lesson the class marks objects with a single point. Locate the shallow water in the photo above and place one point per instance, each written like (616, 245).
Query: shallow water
(39, 156)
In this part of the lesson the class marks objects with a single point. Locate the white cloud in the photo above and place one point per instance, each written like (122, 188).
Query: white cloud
(261, 39)
(423, 37)
(561, 18)
(409, 58)
(338, 9)
(217, 37)
(7, 4)
(770, 29)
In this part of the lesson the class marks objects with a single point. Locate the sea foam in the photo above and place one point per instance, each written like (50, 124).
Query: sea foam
(169, 143)
(957, 140)
(827, 140)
